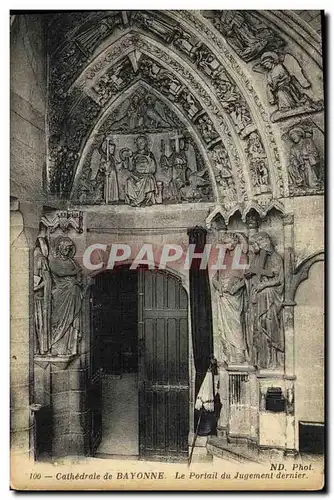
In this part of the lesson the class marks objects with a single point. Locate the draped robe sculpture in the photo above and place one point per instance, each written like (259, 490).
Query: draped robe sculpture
(66, 299)
(230, 288)
(265, 287)
(141, 188)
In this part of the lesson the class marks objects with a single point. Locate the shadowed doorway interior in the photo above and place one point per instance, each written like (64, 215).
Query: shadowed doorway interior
(115, 353)
(140, 365)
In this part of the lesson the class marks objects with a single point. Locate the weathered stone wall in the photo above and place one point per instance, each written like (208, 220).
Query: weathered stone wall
(310, 349)
(27, 105)
(28, 156)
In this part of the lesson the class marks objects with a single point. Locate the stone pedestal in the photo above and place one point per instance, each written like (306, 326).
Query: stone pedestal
(272, 424)
(242, 423)
(70, 410)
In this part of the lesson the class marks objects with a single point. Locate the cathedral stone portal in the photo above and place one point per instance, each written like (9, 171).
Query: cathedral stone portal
(171, 129)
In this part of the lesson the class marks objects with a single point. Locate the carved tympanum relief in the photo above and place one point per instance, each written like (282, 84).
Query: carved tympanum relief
(81, 91)
(143, 155)
(64, 149)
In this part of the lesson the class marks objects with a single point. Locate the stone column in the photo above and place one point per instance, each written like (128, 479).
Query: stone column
(20, 346)
(223, 422)
(289, 303)
(288, 318)
(70, 409)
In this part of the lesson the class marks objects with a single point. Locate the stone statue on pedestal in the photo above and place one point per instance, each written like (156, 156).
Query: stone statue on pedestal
(66, 299)
(265, 289)
(230, 288)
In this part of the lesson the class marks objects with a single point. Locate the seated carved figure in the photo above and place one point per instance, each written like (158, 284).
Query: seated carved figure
(141, 187)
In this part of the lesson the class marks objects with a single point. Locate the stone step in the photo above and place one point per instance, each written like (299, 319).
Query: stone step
(220, 448)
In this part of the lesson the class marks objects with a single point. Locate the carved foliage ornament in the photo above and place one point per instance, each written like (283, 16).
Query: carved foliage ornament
(64, 220)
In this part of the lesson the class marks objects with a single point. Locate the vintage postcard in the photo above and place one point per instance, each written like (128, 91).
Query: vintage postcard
(167, 250)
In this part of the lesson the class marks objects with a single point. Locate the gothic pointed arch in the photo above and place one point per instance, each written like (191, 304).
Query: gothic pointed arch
(142, 111)
(208, 73)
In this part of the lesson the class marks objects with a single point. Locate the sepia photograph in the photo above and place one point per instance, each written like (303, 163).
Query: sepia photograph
(167, 248)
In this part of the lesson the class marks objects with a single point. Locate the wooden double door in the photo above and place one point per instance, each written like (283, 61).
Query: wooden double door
(140, 323)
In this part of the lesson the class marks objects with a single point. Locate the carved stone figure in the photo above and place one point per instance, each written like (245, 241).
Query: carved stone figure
(89, 37)
(176, 167)
(154, 116)
(110, 83)
(129, 114)
(198, 186)
(206, 128)
(149, 69)
(108, 162)
(223, 174)
(157, 25)
(229, 284)
(169, 85)
(86, 187)
(258, 163)
(141, 111)
(304, 160)
(246, 39)
(206, 60)
(189, 103)
(226, 92)
(99, 184)
(141, 188)
(285, 83)
(66, 299)
(42, 297)
(240, 115)
(265, 289)
(185, 42)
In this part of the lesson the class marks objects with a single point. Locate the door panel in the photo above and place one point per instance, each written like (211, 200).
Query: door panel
(163, 381)
(95, 404)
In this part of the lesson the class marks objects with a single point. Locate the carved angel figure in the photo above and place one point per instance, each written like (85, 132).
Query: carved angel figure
(109, 166)
(141, 111)
(286, 82)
